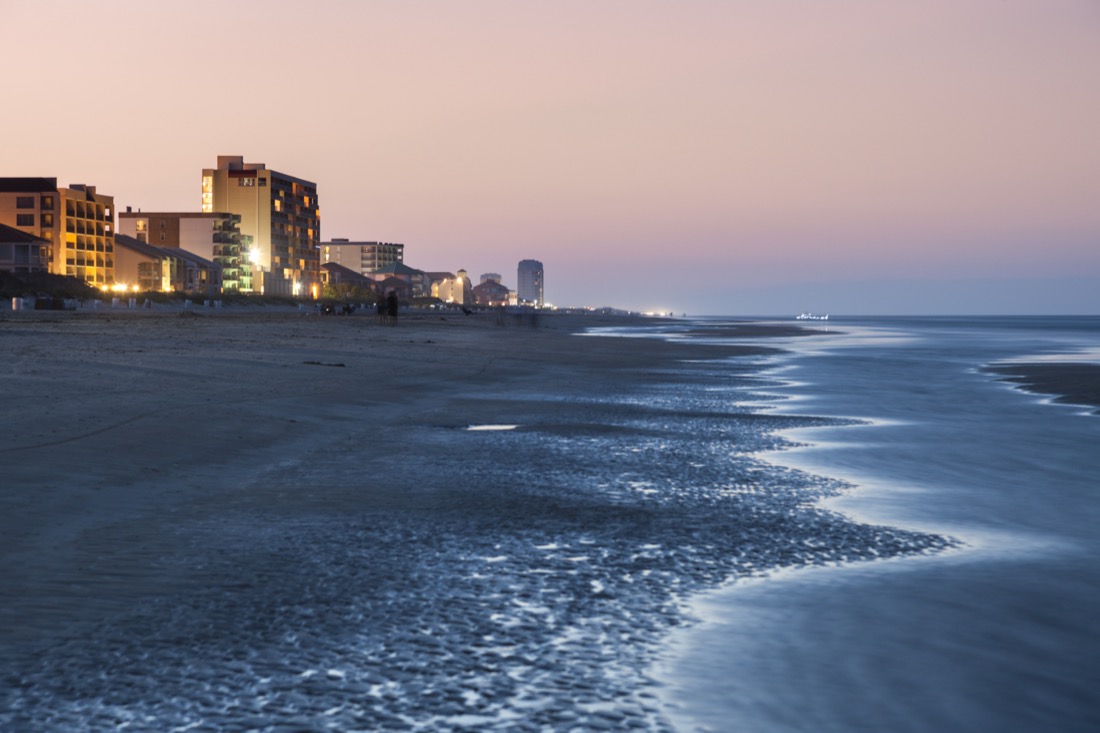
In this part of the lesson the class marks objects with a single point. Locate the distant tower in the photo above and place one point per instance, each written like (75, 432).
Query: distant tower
(530, 277)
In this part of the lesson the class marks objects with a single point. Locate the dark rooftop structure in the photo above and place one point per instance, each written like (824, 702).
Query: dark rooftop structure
(28, 185)
(11, 235)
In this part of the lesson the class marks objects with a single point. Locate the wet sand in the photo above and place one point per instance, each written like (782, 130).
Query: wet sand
(276, 521)
(113, 417)
(1071, 383)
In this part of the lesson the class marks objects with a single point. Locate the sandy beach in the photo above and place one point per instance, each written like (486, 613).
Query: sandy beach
(191, 485)
(118, 423)
(1071, 383)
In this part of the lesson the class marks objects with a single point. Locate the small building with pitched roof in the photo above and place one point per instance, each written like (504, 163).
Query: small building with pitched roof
(164, 269)
(21, 252)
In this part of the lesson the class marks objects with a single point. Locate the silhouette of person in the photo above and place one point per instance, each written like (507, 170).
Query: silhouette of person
(391, 307)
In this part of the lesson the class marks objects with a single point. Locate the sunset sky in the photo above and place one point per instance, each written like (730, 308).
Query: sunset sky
(736, 157)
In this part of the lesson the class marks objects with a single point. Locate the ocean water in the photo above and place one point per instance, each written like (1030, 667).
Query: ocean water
(998, 634)
(862, 531)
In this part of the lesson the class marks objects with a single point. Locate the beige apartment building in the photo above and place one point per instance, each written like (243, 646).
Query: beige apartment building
(77, 222)
(214, 236)
(146, 267)
(281, 216)
(362, 257)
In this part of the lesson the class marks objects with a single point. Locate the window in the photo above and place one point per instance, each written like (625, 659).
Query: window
(24, 202)
(263, 183)
(47, 203)
(24, 220)
(47, 220)
(246, 181)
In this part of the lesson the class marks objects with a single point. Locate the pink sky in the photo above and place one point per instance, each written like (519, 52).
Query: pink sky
(730, 156)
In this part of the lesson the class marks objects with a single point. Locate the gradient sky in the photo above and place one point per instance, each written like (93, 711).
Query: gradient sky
(727, 156)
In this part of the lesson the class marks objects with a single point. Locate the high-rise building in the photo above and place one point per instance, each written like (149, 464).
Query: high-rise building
(215, 236)
(77, 222)
(530, 283)
(362, 257)
(280, 213)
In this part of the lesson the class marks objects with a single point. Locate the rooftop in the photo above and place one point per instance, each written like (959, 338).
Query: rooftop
(11, 235)
(28, 185)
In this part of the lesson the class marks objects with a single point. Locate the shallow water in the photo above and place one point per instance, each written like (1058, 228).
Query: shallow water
(999, 635)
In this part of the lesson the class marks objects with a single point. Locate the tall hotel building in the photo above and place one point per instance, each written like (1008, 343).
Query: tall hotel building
(77, 222)
(530, 281)
(279, 213)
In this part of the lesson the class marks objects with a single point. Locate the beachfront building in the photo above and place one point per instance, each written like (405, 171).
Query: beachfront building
(144, 267)
(530, 283)
(30, 205)
(396, 285)
(77, 222)
(455, 288)
(363, 257)
(340, 281)
(495, 277)
(279, 213)
(418, 281)
(213, 236)
(491, 293)
(21, 252)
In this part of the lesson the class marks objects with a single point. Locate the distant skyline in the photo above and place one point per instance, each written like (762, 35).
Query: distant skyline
(706, 156)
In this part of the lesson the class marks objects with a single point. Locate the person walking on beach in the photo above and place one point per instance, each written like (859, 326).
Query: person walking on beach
(391, 307)
(380, 308)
